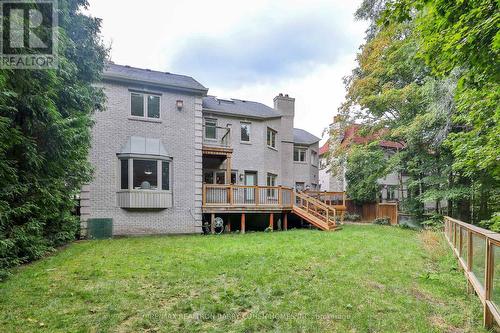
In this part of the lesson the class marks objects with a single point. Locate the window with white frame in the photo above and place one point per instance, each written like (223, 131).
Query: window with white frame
(299, 154)
(245, 131)
(144, 174)
(144, 105)
(271, 138)
(271, 181)
(210, 128)
(314, 158)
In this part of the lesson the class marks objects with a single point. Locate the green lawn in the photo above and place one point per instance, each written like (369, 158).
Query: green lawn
(359, 279)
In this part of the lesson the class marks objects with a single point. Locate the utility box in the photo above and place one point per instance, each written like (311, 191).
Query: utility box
(101, 228)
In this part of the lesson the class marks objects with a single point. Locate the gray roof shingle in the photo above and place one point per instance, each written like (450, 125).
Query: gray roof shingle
(239, 107)
(301, 136)
(164, 79)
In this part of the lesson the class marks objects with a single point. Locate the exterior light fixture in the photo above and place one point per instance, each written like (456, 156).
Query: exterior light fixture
(179, 104)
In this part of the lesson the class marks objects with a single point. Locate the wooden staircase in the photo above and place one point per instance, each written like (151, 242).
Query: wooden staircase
(315, 212)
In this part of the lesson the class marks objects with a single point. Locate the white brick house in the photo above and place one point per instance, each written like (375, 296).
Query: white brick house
(149, 157)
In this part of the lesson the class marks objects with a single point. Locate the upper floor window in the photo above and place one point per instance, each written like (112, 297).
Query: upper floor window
(145, 105)
(245, 132)
(210, 128)
(299, 154)
(314, 157)
(271, 138)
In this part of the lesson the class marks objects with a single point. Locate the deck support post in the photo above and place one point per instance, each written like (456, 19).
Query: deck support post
(212, 223)
(271, 221)
(228, 224)
(285, 222)
(242, 229)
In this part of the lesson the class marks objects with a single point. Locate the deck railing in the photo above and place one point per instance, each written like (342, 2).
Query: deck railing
(215, 136)
(315, 207)
(478, 252)
(243, 196)
(330, 198)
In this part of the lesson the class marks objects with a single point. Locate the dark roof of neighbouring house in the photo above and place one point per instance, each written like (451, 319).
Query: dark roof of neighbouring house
(239, 107)
(301, 136)
(157, 78)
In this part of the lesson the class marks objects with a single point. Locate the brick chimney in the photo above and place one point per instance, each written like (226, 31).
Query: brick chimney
(285, 105)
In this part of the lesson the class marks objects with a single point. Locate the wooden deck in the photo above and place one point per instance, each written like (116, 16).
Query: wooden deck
(267, 199)
(239, 198)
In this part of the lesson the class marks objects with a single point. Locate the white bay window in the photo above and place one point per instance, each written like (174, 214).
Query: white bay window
(145, 175)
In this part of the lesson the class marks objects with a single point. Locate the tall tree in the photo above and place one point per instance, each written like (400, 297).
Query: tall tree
(45, 122)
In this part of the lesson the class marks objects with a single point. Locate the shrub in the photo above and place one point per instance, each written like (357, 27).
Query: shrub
(45, 132)
(434, 222)
(382, 221)
(352, 217)
(492, 224)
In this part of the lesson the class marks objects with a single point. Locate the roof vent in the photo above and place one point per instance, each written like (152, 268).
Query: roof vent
(148, 69)
(286, 95)
(168, 73)
(281, 94)
(127, 66)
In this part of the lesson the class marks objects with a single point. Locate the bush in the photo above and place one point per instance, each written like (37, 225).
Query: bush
(352, 217)
(45, 132)
(492, 224)
(382, 221)
(434, 222)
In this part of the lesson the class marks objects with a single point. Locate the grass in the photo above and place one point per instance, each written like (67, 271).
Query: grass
(360, 279)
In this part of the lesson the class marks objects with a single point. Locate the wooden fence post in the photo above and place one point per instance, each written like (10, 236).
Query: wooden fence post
(488, 276)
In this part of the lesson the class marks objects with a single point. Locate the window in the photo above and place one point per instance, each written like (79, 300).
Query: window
(314, 158)
(299, 186)
(165, 175)
(124, 174)
(146, 174)
(137, 107)
(271, 181)
(271, 138)
(153, 106)
(208, 177)
(391, 192)
(218, 177)
(245, 132)
(299, 154)
(141, 102)
(210, 128)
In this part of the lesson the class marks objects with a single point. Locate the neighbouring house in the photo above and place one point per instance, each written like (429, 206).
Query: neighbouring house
(392, 187)
(166, 154)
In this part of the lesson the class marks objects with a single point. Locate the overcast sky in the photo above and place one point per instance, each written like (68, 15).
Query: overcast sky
(250, 50)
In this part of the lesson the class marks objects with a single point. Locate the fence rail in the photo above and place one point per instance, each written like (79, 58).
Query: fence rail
(478, 252)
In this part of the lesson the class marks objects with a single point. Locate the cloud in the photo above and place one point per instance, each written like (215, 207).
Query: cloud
(265, 49)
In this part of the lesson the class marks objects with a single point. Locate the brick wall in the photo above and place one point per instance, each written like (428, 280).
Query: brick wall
(180, 133)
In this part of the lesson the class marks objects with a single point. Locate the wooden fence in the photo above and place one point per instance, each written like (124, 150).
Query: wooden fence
(478, 252)
(371, 211)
